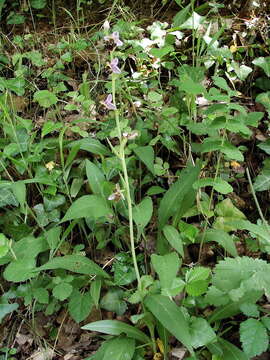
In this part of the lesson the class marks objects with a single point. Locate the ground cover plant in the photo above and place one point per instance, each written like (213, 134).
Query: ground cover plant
(134, 180)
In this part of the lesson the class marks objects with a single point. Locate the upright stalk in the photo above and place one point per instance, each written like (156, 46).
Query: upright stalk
(121, 155)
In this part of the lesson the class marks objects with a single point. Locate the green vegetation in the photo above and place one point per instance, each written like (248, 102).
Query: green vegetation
(134, 180)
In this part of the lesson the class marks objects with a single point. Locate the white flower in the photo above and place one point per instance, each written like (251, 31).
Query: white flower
(106, 25)
(137, 103)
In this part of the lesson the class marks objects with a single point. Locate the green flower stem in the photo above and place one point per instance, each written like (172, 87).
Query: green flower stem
(121, 155)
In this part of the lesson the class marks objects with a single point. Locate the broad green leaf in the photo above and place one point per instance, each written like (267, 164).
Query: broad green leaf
(197, 273)
(20, 270)
(49, 127)
(19, 191)
(80, 305)
(113, 301)
(27, 247)
(142, 213)
(75, 263)
(250, 309)
(263, 63)
(196, 280)
(264, 99)
(230, 351)
(201, 332)
(115, 327)
(146, 155)
(41, 295)
(224, 312)
(95, 177)
(187, 84)
(120, 349)
(4, 248)
(262, 181)
(45, 98)
(62, 291)
(166, 266)
(265, 146)
(6, 309)
(172, 200)
(91, 145)
(193, 22)
(35, 56)
(88, 206)
(182, 15)
(218, 184)
(174, 239)
(254, 337)
(197, 288)
(242, 71)
(160, 52)
(38, 4)
(95, 291)
(222, 238)
(171, 317)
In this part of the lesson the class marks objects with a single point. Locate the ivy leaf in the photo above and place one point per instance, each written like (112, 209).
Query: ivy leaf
(254, 338)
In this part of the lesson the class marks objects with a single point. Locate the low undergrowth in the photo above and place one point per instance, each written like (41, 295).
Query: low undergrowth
(134, 182)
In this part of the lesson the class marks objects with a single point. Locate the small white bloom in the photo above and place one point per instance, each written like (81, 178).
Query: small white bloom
(106, 25)
(255, 3)
(178, 34)
(50, 165)
(131, 136)
(137, 103)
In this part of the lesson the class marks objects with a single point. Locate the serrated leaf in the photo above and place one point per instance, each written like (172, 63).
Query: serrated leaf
(88, 206)
(254, 337)
(250, 309)
(75, 263)
(80, 305)
(41, 295)
(174, 239)
(62, 291)
(171, 317)
(45, 98)
(230, 351)
(115, 327)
